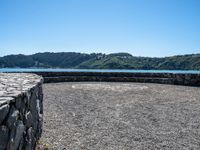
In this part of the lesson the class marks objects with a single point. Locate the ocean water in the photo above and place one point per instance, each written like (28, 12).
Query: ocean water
(97, 70)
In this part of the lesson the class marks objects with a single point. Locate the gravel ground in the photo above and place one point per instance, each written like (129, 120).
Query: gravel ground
(121, 116)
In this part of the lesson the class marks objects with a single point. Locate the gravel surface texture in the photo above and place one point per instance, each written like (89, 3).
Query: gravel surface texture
(121, 116)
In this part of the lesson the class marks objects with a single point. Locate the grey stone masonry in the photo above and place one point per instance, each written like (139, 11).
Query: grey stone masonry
(162, 78)
(21, 110)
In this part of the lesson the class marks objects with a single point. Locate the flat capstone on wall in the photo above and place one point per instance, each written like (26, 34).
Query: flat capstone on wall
(21, 110)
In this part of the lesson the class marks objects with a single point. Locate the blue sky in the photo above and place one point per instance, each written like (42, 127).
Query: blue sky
(140, 27)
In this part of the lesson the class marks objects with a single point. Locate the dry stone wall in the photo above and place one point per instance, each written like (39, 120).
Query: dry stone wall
(21, 110)
(163, 78)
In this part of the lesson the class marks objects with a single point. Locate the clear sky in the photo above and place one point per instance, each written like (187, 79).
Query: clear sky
(140, 27)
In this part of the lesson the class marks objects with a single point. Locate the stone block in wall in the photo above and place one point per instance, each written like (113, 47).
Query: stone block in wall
(4, 136)
(3, 112)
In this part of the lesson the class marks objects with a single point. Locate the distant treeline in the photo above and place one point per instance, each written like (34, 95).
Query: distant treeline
(100, 61)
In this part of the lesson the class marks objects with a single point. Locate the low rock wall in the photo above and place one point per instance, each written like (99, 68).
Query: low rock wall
(21, 111)
(163, 78)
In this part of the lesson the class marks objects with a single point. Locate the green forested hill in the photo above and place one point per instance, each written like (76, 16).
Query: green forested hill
(100, 61)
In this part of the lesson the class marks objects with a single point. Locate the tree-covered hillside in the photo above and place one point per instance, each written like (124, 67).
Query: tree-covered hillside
(100, 61)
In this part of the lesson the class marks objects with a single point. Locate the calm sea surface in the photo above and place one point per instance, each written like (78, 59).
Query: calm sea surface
(96, 70)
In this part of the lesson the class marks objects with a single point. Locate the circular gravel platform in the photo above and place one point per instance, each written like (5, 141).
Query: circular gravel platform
(121, 116)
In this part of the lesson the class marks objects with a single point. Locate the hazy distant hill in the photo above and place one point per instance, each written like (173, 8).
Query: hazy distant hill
(100, 61)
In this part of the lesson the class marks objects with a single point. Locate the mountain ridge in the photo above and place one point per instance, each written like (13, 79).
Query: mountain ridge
(100, 61)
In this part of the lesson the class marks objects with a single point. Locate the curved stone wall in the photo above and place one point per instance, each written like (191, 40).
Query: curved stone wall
(163, 78)
(21, 110)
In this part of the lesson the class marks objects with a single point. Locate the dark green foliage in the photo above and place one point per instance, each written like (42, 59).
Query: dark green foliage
(17, 61)
(62, 60)
(100, 61)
